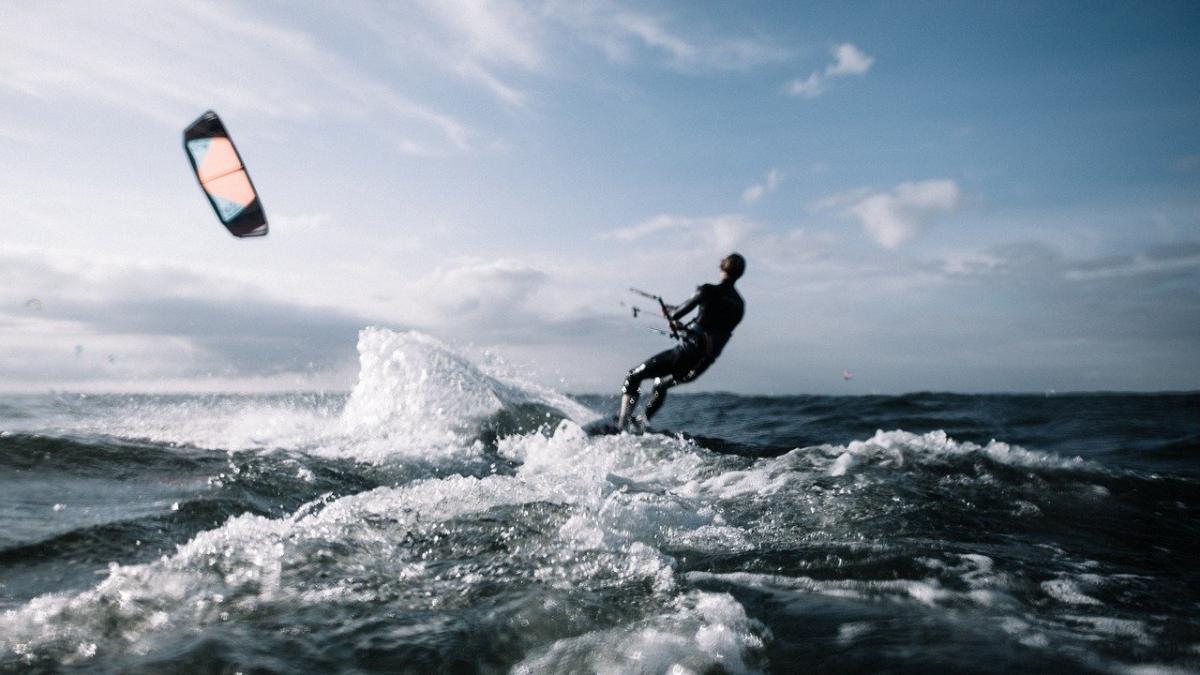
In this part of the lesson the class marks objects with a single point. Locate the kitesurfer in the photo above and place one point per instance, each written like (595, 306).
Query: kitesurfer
(700, 341)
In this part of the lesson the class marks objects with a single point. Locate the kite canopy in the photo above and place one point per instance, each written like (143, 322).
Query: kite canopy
(223, 177)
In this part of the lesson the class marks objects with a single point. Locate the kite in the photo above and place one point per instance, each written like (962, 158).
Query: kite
(223, 177)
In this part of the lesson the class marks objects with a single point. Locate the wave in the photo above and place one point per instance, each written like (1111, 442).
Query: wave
(415, 394)
(555, 519)
(91, 455)
(414, 397)
(447, 515)
(591, 536)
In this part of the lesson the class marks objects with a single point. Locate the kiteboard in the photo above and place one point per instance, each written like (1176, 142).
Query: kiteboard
(607, 426)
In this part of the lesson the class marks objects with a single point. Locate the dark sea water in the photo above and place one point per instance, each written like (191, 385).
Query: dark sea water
(443, 517)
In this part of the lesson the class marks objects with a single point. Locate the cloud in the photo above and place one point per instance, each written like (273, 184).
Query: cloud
(841, 200)
(497, 31)
(621, 32)
(682, 244)
(301, 222)
(475, 288)
(157, 321)
(755, 192)
(507, 302)
(652, 33)
(719, 232)
(650, 226)
(847, 60)
(1115, 301)
(498, 44)
(143, 58)
(489, 44)
(1182, 258)
(894, 217)
(17, 133)
(810, 87)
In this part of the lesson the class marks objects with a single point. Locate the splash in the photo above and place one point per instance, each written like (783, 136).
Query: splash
(573, 527)
(414, 397)
(415, 394)
(886, 452)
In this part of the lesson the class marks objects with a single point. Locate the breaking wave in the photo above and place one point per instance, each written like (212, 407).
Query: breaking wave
(446, 516)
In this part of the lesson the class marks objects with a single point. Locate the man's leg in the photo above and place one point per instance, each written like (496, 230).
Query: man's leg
(656, 366)
(659, 396)
(662, 384)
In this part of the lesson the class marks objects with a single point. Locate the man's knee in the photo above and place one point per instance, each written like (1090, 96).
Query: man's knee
(630, 388)
(633, 381)
(662, 384)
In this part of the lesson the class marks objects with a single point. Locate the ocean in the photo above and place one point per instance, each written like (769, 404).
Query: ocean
(445, 517)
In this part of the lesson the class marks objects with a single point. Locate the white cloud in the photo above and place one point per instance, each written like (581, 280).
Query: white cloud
(19, 134)
(651, 32)
(496, 44)
(1137, 265)
(847, 60)
(156, 322)
(892, 218)
(486, 43)
(717, 232)
(841, 200)
(301, 221)
(121, 56)
(755, 192)
(649, 226)
(473, 288)
(494, 31)
(810, 87)
(620, 32)
(728, 232)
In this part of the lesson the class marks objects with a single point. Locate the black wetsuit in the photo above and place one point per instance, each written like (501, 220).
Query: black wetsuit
(721, 309)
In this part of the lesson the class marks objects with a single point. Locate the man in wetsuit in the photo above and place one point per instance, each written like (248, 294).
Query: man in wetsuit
(700, 341)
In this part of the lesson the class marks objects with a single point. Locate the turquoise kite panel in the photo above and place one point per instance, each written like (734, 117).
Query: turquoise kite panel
(226, 208)
(199, 148)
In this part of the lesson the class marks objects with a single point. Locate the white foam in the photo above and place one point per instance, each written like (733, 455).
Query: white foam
(927, 592)
(764, 478)
(848, 633)
(414, 388)
(417, 395)
(885, 450)
(1156, 669)
(1107, 627)
(414, 396)
(1024, 632)
(228, 423)
(704, 632)
(248, 562)
(252, 561)
(896, 447)
(1064, 590)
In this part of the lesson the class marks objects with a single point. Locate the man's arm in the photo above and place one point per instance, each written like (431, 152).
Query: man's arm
(682, 310)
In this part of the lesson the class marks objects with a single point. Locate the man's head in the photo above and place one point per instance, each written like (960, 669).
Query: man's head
(733, 266)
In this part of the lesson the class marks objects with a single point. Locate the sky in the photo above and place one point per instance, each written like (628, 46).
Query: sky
(974, 197)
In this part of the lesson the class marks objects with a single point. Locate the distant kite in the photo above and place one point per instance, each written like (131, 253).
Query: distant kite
(34, 304)
(847, 375)
(223, 177)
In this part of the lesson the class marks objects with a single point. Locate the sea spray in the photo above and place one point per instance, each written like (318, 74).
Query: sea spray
(445, 515)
